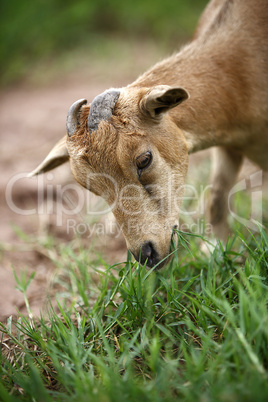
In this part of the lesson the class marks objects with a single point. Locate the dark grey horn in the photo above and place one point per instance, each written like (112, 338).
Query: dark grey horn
(102, 108)
(72, 116)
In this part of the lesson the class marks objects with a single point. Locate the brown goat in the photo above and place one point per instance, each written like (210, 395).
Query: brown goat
(131, 144)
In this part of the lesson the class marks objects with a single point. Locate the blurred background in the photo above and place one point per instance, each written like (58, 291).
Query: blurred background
(42, 32)
(52, 53)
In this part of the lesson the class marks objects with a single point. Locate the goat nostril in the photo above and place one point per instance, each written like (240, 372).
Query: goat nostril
(147, 250)
(150, 254)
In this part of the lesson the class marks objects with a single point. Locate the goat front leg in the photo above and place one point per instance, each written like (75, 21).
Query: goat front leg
(226, 164)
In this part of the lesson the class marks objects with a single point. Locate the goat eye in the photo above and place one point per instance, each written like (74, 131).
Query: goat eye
(144, 160)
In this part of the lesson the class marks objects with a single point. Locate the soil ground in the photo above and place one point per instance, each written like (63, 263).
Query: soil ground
(32, 119)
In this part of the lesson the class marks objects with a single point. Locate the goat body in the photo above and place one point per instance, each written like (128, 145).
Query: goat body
(212, 93)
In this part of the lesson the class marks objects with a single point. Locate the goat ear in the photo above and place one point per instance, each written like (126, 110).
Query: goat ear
(162, 98)
(56, 157)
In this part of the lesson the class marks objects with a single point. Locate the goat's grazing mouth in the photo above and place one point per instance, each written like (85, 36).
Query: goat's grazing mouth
(148, 254)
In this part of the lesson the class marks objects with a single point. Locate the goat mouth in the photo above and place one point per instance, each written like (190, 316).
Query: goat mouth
(149, 256)
(172, 249)
(155, 262)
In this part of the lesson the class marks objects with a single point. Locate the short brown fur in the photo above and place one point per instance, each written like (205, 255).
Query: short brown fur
(223, 73)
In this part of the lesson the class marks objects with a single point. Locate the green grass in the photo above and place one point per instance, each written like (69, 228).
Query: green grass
(195, 331)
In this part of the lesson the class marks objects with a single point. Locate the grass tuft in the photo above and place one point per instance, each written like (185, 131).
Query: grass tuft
(197, 330)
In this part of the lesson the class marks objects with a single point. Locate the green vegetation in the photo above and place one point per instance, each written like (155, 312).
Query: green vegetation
(196, 331)
(37, 30)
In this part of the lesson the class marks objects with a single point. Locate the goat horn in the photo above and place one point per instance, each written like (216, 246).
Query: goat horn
(72, 116)
(102, 108)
